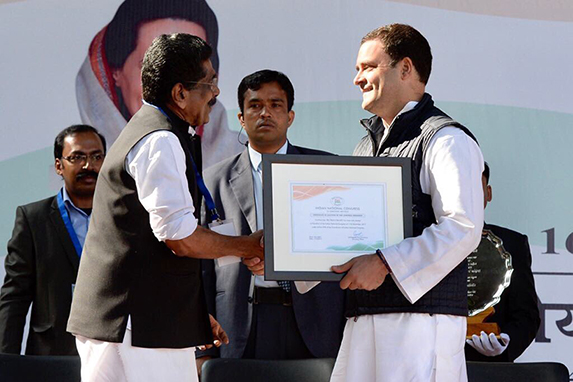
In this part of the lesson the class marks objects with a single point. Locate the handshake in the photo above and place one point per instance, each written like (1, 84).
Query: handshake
(256, 263)
(252, 253)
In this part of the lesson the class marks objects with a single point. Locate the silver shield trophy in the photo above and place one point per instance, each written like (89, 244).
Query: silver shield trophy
(489, 273)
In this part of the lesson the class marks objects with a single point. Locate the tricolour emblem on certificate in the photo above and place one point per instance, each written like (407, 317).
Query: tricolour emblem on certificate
(338, 217)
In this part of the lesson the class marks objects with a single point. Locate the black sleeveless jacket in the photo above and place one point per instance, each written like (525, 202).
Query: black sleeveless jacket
(409, 137)
(125, 271)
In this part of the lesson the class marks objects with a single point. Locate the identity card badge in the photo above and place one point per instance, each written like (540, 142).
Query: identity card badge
(225, 227)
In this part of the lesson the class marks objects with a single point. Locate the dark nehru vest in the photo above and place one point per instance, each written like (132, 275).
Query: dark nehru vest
(125, 271)
(409, 137)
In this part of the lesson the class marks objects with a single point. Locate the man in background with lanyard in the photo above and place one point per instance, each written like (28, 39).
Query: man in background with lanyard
(44, 251)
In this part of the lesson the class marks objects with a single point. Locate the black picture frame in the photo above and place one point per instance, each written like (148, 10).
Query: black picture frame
(348, 163)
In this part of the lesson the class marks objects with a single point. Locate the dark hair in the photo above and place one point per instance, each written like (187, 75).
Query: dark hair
(486, 172)
(121, 34)
(257, 79)
(74, 129)
(172, 59)
(401, 41)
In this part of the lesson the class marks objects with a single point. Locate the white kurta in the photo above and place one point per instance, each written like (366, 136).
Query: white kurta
(157, 165)
(113, 362)
(412, 346)
(398, 347)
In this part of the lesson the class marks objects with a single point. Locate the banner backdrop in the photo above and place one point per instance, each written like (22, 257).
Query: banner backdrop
(500, 68)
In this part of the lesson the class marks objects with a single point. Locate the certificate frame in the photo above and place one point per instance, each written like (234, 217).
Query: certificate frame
(283, 173)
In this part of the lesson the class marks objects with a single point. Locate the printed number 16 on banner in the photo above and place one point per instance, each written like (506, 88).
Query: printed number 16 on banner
(551, 242)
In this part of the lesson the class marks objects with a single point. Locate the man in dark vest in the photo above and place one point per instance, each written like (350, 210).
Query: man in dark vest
(409, 301)
(44, 251)
(139, 307)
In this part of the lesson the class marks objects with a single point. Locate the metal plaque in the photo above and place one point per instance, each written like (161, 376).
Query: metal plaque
(489, 273)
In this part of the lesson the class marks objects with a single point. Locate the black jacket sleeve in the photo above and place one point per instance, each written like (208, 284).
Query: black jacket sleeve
(521, 320)
(19, 285)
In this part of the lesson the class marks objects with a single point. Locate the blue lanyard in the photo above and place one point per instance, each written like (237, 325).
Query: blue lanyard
(206, 194)
(200, 182)
(68, 224)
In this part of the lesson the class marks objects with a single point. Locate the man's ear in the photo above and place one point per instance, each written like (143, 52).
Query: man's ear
(406, 68)
(241, 119)
(290, 117)
(488, 193)
(178, 94)
(59, 166)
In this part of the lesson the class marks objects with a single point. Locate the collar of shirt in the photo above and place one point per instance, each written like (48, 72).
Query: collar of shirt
(256, 157)
(70, 206)
(409, 106)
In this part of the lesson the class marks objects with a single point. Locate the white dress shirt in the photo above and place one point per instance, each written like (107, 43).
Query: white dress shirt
(256, 170)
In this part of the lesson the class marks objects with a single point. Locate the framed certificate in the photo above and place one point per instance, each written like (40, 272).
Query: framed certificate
(321, 211)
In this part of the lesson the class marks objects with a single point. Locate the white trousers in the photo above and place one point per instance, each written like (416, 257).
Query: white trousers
(121, 362)
(400, 347)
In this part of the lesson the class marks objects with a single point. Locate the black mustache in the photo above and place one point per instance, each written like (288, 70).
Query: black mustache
(267, 122)
(212, 102)
(83, 174)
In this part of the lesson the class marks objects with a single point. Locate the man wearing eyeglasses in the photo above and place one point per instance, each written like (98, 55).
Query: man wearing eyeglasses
(44, 251)
(139, 307)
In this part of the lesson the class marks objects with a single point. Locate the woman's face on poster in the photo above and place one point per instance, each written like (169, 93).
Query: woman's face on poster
(128, 78)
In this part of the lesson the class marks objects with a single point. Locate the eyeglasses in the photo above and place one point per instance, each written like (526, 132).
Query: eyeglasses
(82, 158)
(213, 85)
